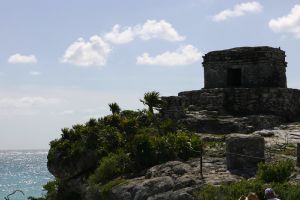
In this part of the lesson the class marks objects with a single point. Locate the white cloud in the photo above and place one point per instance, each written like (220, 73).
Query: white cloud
(86, 53)
(289, 23)
(28, 101)
(34, 73)
(151, 29)
(183, 56)
(22, 59)
(238, 10)
(162, 30)
(117, 37)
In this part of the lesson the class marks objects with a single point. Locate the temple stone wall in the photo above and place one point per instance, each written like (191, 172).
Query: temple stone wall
(239, 82)
(283, 102)
(258, 66)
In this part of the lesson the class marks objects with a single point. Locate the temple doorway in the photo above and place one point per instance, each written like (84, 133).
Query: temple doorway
(234, 77)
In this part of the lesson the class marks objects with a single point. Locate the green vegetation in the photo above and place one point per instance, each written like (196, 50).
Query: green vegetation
(104, 150)
(109, 167)
(101, 192)
(232, 191)
(114, 108)
(51, 189)
(274, 175)
(279, 171)
(152, 100)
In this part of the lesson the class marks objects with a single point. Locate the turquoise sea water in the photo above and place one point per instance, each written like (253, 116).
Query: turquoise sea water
(25, 170)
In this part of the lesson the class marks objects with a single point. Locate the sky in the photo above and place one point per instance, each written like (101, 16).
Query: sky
(62, 62)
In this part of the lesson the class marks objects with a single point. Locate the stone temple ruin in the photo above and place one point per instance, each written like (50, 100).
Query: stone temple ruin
(245, 90)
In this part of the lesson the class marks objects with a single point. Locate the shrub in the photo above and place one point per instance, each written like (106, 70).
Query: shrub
(287, 191)
(165, 148)
(110, 167)
(271, 175)
(129, 114)
(51, 190)
(148, 150)
(235, 190)
(111, 120)
(232, 191)
(167, 126)
(110, 139)
(143, 151)
(101, 192)
(279, 171)
(187, 145)
(129, 126)
(183, 145)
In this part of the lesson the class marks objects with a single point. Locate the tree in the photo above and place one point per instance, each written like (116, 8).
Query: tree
(152, 100)
(114, 108)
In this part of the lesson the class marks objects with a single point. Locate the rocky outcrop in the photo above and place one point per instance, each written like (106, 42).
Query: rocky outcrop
(72, 173)
(174, 180)
(71, 168)
(179, 180)
(209, 122)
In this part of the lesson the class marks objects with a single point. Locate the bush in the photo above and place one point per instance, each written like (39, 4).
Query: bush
(167, 126)
(110, 167)
(110, 139)
(183, 145)
(148, 150)
(101, 192)
(165, 148)
(279, 171)
(287, 191)
(232, 191)
(129, 126)
(271, 175)
(143, 151)
(111, 120)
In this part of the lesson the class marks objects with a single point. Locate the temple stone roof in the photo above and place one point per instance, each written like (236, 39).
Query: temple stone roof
(245, 53)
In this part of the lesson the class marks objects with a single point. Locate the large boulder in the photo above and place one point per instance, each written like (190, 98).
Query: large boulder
(73, 167)
(244, 151)
(171, 180)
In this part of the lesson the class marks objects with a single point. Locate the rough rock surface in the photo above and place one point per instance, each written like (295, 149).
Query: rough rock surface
(178, 180)
(244, 151)
(174, 180)
(72, 173)
(208, 122)
(72, 168)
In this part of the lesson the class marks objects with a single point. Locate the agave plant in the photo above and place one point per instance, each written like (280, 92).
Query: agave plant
(152, 100)
(114, 108)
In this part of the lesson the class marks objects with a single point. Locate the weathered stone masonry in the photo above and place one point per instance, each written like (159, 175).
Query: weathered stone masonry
(241, 82)
(247, 67)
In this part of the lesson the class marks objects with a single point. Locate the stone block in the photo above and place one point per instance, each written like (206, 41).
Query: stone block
(244, 151)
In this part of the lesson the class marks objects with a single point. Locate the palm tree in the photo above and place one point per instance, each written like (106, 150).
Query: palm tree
(152, 100)
(114, 108)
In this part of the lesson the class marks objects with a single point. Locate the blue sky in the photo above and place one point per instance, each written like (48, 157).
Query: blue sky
(62, 62)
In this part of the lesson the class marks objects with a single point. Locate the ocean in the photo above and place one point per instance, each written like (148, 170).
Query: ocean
(24, 170)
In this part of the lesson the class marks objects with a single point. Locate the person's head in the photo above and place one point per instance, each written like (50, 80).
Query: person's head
(269, 193)
(252, 196)
(242, 197)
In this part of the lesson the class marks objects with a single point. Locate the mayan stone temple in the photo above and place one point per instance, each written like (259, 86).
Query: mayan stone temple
(245, 89)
